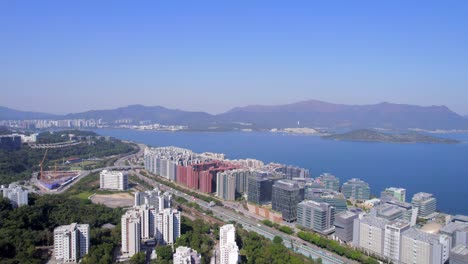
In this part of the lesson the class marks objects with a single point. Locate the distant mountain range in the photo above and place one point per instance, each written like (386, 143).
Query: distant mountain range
(309, 113)
(11, 114)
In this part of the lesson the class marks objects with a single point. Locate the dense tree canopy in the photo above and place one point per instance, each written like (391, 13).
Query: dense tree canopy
(25, 228)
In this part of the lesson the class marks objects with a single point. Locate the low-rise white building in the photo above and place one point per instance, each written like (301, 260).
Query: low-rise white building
(418, 247)
(17, 196)
(186, 255)
(71, 242)
(114, 180)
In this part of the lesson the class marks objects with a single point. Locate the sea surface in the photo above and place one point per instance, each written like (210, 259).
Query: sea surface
(440, 169)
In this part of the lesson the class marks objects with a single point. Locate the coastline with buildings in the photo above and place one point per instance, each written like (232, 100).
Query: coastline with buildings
(379, 226)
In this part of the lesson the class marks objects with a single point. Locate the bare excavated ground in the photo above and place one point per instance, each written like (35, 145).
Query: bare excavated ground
(114, 200)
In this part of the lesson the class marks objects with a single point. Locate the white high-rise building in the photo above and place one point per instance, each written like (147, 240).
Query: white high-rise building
(131, 233)
(147, 216)
(392, 243)
(17, 196)
(113, 180)
(227, 244)
(71, 242)
(154, 198)
(186, 255)
(369, 233)
(418, 247)
(167, 226)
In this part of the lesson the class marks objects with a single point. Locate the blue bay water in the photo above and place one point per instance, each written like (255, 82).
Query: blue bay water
(441, 169)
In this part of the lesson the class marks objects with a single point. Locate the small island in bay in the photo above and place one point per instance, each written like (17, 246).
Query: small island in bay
(376, 136)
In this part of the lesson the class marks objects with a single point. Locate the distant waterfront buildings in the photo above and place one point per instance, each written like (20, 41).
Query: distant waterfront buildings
(113, 180)
(285, 197)
(71, 242)
(315, 216)
(227, 245)
(17, 196)
(329, 181)
(356, 189)
(425, 202)
(392, 192)
(186, 255)
(226, 186)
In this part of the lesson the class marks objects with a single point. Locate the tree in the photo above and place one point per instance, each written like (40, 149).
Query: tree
(139, 258)
(277, 240)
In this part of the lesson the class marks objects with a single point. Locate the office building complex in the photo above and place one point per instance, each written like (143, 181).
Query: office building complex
(17, 196)
(285, 197)
(227, 245)
(291, 172)
(316, 216)
(392, 192)
(186, 255)
(392, 240)
(335, 199)
(329, 181)
(167, 226)
(344, 225)
(388, 211)
(113, 180)
(131, 233)
(356, 189)
(71, 242)
(425, 203)
(418, 247)
(410, 214)
(259, 188)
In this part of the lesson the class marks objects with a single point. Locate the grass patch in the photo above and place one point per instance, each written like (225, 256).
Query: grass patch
(83, 195)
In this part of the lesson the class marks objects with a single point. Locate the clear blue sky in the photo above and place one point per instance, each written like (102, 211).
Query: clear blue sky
(70, 56)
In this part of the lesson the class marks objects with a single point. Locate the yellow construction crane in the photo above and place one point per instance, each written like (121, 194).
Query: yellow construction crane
(41, 176)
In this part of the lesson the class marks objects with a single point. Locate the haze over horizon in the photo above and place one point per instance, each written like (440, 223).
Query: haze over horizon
(212, 56)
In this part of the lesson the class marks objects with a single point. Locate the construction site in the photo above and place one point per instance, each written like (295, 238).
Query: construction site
(53, 179)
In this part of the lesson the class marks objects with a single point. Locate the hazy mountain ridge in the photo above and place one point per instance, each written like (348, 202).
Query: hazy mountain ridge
(12, 114)
(311, 113)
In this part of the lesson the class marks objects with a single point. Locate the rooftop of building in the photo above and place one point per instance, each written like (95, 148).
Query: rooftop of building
(460, 250)
(422, 236)
(356, 181)
(422, 196)
(454, 226)
(460, 218)
(374, 221)
(398, 223)
(286, 184)
(395, 189)
(388, 210)
(431, 228)
(346, 215)
(399, 203)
